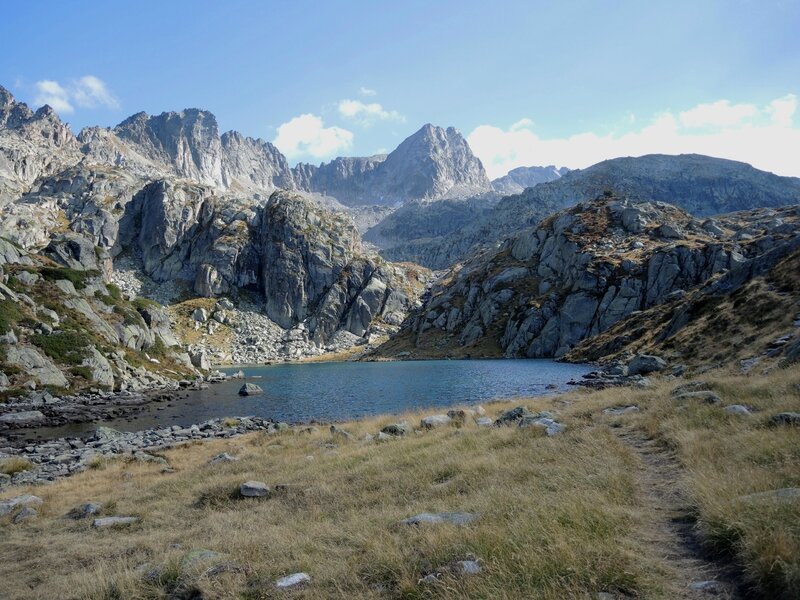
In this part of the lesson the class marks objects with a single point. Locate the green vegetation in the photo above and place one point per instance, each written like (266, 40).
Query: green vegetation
(10, 315)
(560, 517)
(67, 347)
(84, 372)
(78, 278)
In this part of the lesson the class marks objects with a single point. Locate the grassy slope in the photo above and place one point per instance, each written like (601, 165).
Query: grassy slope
(559, 517)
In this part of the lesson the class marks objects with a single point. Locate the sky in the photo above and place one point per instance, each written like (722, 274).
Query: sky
(528, 83)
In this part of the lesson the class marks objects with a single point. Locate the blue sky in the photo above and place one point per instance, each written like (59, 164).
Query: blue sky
(566, 82)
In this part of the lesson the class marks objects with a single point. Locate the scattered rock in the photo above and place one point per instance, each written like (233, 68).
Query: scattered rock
(222, 458)
(691, 386)
(114, 522)
(786, 418)
(397, 429)
(737, 409)
(515, 415)
(780, 495)
(455, 518)
(484, 422)
(434, 421)
(254, 489)
(469, 567)
(200, 315)
(84, 511)
(293, 580)
(6, 506)
(706, 396)
(709, 587)
(23, 418)
(339, 432)
(250, 389)
(26, 514)
(620, 410)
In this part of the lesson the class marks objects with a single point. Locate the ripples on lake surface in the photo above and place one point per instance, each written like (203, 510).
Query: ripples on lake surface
(338, 391)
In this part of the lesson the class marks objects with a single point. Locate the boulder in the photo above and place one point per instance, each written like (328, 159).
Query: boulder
(434, 421)
(114, 522)
(292, 581)
(41, 368)
(84, 511)
(6, 506)
(454, 518)
(397, 429)
(514, 416)
(737, 409)
(222, 458)
(786, 418)
(200, 315)
(706, 396)
(22, 419)
(339, 432)
(642, 364)
(250, 389)
(26, 514)
(254, 489)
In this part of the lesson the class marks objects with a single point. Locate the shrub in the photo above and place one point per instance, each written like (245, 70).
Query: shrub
(114, 291)
(10, 314)
(68, 347)
(78, 278)
(84, 372)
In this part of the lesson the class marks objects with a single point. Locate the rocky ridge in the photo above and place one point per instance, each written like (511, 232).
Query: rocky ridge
(583, 270)
(701, 185)
(524, 177)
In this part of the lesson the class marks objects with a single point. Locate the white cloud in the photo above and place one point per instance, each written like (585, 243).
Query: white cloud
(87, 92)
(50, 92)
(717, 114)
(90, 91)
(307, 135)
(365, 91)
(765, 137)
(367, 113)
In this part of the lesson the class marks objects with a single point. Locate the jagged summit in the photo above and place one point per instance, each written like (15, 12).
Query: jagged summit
(432, 163)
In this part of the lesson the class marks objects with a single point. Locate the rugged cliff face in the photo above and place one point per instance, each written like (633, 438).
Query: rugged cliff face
(578, 273)
(32, 145)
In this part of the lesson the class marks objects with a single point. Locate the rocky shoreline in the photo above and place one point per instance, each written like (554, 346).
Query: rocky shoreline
(62, 457)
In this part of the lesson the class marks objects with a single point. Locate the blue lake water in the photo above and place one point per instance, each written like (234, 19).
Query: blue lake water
(336, 391)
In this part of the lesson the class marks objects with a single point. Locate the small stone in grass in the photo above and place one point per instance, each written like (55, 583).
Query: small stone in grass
(114, 522)
(293, 580)
(455, 518)
(254, 489)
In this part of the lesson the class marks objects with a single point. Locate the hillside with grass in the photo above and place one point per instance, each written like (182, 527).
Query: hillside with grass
(646, 494)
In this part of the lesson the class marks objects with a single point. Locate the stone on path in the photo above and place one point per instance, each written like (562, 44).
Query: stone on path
(455, 518)
(114, 522)
(293, 580)
(254, 489)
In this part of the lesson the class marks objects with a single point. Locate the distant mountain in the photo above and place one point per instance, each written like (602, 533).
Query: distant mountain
(524, 177)
(432, 163)
(699, 184)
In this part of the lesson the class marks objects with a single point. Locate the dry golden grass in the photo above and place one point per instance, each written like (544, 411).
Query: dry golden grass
(559, 517)
(10, 466)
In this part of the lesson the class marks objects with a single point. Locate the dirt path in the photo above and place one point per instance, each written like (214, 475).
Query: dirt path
(671, 527)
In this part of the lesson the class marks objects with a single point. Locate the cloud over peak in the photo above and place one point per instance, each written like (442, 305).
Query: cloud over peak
(86, 92)
(763, 136)
(367, 113)
(306, 134)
